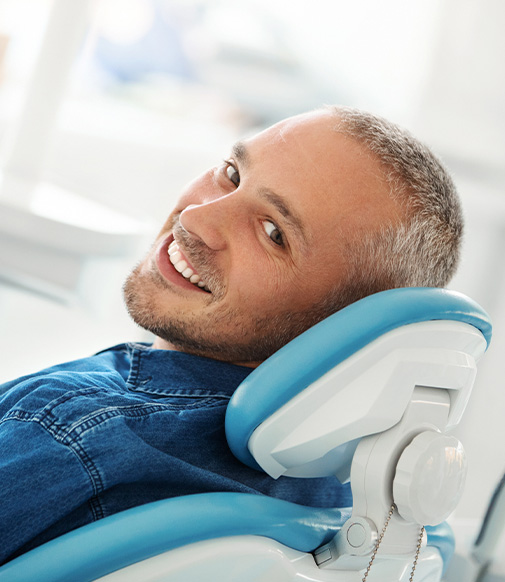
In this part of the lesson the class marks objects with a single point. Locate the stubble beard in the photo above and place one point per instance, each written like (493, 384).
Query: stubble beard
(226, 334)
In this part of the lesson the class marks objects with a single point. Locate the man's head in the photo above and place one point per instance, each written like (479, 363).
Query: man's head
(304, 218)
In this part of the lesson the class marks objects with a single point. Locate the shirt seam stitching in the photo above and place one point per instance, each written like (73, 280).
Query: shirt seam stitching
(73, 446)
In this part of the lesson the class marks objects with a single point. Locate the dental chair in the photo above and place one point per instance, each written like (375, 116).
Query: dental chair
(369, 394)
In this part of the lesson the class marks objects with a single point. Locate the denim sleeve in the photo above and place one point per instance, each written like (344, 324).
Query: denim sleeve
(42, 480)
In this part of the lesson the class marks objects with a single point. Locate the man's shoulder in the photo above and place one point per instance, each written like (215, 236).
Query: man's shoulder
(116, 358)
(60, 396)
(108, 368)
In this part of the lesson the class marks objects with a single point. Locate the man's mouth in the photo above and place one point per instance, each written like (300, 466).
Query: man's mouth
(182, 267)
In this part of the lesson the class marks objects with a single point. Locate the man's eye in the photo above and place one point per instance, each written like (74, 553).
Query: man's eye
(273, 232)
(232, 174)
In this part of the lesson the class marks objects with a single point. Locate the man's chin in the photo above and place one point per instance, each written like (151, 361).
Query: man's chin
(205, 338)
(202, 339)
(224, 334)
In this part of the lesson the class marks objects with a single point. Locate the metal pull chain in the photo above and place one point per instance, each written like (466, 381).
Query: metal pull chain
(379, 540)
(418, 549)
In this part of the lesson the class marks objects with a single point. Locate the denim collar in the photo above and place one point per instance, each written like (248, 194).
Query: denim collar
(166, 371)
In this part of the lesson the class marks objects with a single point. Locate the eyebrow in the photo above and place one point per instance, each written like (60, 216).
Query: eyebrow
(241, 155)
(287, 212)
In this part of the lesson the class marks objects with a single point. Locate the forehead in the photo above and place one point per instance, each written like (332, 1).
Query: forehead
(304, 135)
(331, 179)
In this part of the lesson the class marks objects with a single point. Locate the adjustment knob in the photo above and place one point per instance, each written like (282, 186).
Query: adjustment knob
(430, 476)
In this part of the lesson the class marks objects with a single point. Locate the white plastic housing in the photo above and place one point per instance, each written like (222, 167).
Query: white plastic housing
(254, 559)
(367, 393)
(430, 476)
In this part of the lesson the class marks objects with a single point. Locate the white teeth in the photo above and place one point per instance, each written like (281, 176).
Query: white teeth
(182, 266)
(175, 256)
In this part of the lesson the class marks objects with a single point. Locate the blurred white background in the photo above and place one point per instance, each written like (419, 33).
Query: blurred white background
(158, 91)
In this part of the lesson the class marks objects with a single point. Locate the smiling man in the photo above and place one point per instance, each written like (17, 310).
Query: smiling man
(302, 219)
(257, 248)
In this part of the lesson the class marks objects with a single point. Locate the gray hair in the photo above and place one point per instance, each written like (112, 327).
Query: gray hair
(423, 251)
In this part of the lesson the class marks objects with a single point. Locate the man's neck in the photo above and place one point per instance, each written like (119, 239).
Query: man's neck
(162, 344)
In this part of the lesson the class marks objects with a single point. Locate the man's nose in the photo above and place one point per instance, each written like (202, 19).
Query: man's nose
(212, 222)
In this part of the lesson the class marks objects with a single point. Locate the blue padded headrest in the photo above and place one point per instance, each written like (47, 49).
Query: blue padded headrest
(319, 349)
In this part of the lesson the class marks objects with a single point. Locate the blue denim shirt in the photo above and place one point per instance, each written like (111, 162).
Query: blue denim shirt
(86, 439)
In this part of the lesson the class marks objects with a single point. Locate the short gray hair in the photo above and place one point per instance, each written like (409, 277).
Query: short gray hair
(423, 251)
